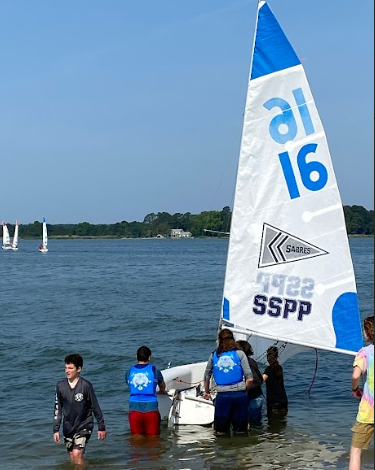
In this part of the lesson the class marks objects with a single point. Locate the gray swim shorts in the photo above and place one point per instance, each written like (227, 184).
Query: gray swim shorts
(78, 441)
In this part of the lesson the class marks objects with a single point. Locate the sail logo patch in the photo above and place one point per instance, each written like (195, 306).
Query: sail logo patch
(279, 247)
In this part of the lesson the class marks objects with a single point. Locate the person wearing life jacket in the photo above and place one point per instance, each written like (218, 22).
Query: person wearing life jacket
(232, 374)
(143, 379)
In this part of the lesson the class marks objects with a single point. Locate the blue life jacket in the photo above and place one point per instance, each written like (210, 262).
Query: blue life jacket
(142, 383)
(227, 368)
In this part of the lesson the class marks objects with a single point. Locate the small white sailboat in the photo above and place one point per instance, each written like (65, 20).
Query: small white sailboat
(15, 237)
(7, 244)
(43, 248)
(6, 238)
(289, 278)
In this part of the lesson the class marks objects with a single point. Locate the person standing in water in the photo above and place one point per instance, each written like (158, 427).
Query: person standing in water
(363, 429)
(231, 371)
(273, 376)
(143, 379)
(75, 404)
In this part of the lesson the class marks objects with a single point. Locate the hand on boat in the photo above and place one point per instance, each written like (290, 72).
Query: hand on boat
(207, 396)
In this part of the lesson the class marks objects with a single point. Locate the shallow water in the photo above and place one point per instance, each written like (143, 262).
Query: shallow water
(104, 299)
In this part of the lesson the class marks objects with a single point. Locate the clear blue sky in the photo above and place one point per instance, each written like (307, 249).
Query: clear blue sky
(112, 109)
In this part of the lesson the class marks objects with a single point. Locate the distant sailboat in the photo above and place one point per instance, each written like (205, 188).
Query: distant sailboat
(6, 238)
(7, 245)
(43, 247)
(15, 238)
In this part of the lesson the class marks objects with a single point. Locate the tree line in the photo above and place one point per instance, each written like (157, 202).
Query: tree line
(359, 221)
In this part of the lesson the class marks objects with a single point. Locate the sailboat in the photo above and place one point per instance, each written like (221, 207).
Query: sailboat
(289, 278)
(15, 237)
(6, 238)
(7, 244)
(43, 248)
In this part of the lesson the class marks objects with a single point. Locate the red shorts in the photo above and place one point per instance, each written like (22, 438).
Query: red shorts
(145, 423)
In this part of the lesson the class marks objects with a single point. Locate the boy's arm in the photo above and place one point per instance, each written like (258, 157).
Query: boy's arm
(356, 376)
(359, 368)
(162, 385)
(97, 413)
(57, 417)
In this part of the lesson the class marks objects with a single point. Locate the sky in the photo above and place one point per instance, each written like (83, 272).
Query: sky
(114, 109)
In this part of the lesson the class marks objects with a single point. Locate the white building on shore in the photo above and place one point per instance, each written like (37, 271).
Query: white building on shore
(179, 233)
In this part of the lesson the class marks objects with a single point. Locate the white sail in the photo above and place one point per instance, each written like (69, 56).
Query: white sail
(6, 237)
(289, 279)
(45, 234)
(44, 246)
(15, 237)
(289, 273)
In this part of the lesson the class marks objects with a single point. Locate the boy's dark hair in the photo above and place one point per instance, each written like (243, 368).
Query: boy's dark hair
(143, 354)
(75, 359)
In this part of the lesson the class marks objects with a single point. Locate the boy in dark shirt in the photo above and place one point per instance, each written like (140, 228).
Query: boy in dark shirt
(76, 401)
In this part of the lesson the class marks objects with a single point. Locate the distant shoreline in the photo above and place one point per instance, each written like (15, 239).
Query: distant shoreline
(109, 237)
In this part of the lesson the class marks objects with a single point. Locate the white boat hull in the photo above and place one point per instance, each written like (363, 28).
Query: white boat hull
(7, 248)
(182, 406)
(43, 250)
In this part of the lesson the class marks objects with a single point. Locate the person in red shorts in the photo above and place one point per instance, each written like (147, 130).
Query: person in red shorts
(143, 379)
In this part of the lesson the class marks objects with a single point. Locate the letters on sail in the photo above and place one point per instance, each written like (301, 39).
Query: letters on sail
(289, 272)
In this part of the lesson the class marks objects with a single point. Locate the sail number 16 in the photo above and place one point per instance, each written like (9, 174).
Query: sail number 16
(283, 128)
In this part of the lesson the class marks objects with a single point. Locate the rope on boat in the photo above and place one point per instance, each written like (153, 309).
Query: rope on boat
(177, 379)
(315, 373)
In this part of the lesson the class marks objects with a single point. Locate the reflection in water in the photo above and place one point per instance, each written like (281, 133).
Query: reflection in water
(272, 445)
(276, 422)
(144, 452)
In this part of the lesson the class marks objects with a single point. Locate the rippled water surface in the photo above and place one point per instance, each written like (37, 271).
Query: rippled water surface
(104, 299)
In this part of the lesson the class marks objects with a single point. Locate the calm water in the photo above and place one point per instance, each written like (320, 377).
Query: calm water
(104, 299)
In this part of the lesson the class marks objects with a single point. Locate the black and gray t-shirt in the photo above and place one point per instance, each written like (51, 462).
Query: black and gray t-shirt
(76, 406)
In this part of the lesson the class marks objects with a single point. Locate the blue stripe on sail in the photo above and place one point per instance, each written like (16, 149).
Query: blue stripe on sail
(273, 52)
(226, 309)
(346, 322)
